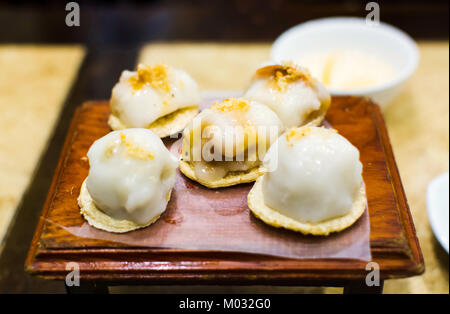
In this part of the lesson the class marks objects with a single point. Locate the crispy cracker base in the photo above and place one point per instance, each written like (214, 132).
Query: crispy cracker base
(169, 124)
(232, 178)
(319, 115)
(323, 228)
(96, 218)
(316, 121)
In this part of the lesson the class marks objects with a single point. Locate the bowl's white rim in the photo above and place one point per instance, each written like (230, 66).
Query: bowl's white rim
(401, 35)
(432, 211)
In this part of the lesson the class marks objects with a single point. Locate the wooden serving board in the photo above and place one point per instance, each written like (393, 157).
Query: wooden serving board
(394, 245)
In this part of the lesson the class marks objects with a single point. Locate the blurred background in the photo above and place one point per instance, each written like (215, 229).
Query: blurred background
(48, 69)
(129, 23)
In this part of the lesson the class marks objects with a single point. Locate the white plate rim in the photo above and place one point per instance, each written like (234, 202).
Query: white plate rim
(432, 186)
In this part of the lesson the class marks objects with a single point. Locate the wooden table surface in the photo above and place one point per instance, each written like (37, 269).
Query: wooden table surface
(34, 82)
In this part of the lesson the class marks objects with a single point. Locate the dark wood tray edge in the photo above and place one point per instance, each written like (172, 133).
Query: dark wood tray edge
(413, 247)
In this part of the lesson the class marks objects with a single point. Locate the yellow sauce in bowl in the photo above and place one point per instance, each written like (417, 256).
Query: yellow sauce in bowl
(348, 69)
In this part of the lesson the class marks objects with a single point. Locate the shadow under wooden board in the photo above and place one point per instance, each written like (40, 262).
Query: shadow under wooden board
(394, 245)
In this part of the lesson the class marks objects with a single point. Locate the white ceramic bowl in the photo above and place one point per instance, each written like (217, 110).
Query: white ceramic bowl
(383, 41)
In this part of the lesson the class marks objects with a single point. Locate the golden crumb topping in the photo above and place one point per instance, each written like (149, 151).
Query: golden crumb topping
(231, 104)
(237, 108)
(131, 149)
(154, 76)
(109, 150)
(295, 134)
(280, 76)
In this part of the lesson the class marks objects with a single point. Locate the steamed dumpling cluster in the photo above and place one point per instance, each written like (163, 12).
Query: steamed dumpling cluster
(130, 180)
(310, 180)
